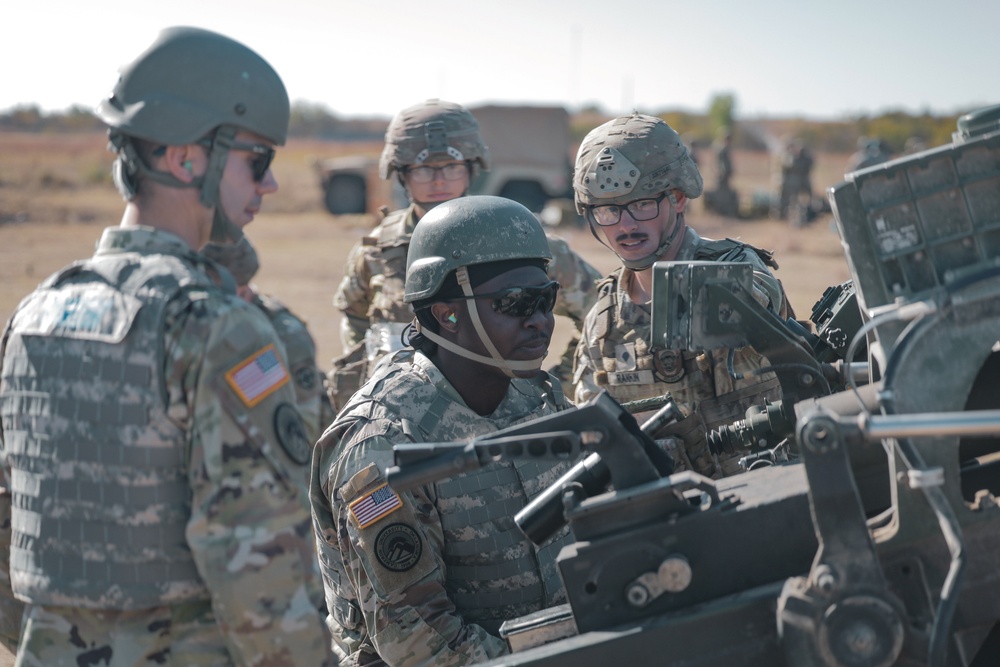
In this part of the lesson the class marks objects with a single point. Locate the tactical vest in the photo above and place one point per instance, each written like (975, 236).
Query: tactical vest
(493, 571)
(99, 469)
(631, 369)
(392, 241)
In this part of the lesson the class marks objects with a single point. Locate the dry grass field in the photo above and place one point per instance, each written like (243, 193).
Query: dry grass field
(56, 196)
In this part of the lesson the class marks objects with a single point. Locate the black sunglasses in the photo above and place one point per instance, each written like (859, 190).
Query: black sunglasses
(262, 162)
(521, 301)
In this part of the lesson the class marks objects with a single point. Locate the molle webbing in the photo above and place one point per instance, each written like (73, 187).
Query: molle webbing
(99, 477)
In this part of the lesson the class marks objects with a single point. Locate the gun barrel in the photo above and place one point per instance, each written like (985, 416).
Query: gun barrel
(544, 515)
(428, 463)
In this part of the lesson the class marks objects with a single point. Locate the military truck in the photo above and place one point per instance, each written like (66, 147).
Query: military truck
(530, 148)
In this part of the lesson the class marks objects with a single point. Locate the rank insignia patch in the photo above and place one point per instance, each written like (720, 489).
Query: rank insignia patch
(258, 376)
(375, 506)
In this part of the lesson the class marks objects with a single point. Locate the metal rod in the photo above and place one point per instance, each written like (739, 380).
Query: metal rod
(967, 423)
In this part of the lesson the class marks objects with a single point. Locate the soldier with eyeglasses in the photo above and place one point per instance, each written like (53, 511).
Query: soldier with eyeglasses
(633, 180)
(426, 577)
(435, 150)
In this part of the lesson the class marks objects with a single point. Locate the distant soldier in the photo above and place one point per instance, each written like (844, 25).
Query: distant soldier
(913, 145)
(795, 190)
(310, 384)
(434, 148)
(724, 161)
(426, 577)
(633, 181)
(150, 441)
(870, 153)
(723, 199)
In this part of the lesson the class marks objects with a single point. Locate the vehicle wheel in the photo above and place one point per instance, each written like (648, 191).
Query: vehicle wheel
(345, 193)
(529, 193)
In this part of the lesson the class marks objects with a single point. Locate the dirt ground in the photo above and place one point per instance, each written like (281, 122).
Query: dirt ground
(56, 196)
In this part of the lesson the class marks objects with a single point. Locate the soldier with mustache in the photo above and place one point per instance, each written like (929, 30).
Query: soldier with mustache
(633, 180)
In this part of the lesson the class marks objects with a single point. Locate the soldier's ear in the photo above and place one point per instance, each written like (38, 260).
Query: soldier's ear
(178, 161)
(444, 313)
(680, 200)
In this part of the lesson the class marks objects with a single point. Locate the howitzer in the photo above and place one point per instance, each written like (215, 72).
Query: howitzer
(880, 544)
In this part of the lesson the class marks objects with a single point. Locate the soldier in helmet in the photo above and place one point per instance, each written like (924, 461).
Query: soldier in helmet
(241, 260)
(435, 150)
(633, 181)
(426, 577)
(870, 153)
(150, 439)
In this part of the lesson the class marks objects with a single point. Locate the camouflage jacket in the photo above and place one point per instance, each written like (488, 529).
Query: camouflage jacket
(425, 577)
(226, 390)
(615, 354)
(312, 400)
(372, 287)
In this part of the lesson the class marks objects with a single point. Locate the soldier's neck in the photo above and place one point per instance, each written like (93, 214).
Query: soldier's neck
(190, 221)
(482, 388)
(639, 285)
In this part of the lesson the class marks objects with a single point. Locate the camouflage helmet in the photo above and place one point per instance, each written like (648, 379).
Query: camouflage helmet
(467, 231)
(632, 157)
(239, 258)
(189, 82)
(430, 131)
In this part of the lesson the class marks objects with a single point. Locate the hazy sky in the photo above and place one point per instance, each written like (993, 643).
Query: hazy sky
(372, 57)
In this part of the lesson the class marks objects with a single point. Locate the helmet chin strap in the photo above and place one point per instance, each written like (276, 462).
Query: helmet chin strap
(223, 229)
(495, 359)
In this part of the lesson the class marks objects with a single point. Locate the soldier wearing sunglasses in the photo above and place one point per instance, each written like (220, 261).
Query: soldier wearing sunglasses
(435, 150)
(151, 446)
(633, 180)
(427, 577)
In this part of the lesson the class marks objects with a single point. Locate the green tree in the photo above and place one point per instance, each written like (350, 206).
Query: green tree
(722, 112)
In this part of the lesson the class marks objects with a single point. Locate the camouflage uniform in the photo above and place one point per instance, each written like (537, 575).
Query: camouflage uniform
(241, 260)
(153, 449)
(371, 296)
(615, 354)
(426, 577)
(310, 387)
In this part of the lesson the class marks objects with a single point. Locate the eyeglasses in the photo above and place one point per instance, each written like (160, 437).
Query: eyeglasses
(426, 174)
(640, 209)
(262, 162)
(522, 301)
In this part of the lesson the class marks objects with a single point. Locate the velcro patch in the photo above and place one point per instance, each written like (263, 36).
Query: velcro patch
(258, 376)
(291, 433)
(375, 505)
(398, 547)
(617, 378)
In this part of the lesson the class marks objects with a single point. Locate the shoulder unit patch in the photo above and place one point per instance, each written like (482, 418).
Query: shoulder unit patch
(398, 547)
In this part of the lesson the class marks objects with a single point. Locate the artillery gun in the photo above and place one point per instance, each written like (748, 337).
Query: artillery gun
(878, 542)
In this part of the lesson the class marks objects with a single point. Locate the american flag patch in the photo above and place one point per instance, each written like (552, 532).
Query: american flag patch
(378, 504)
(255, 378)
